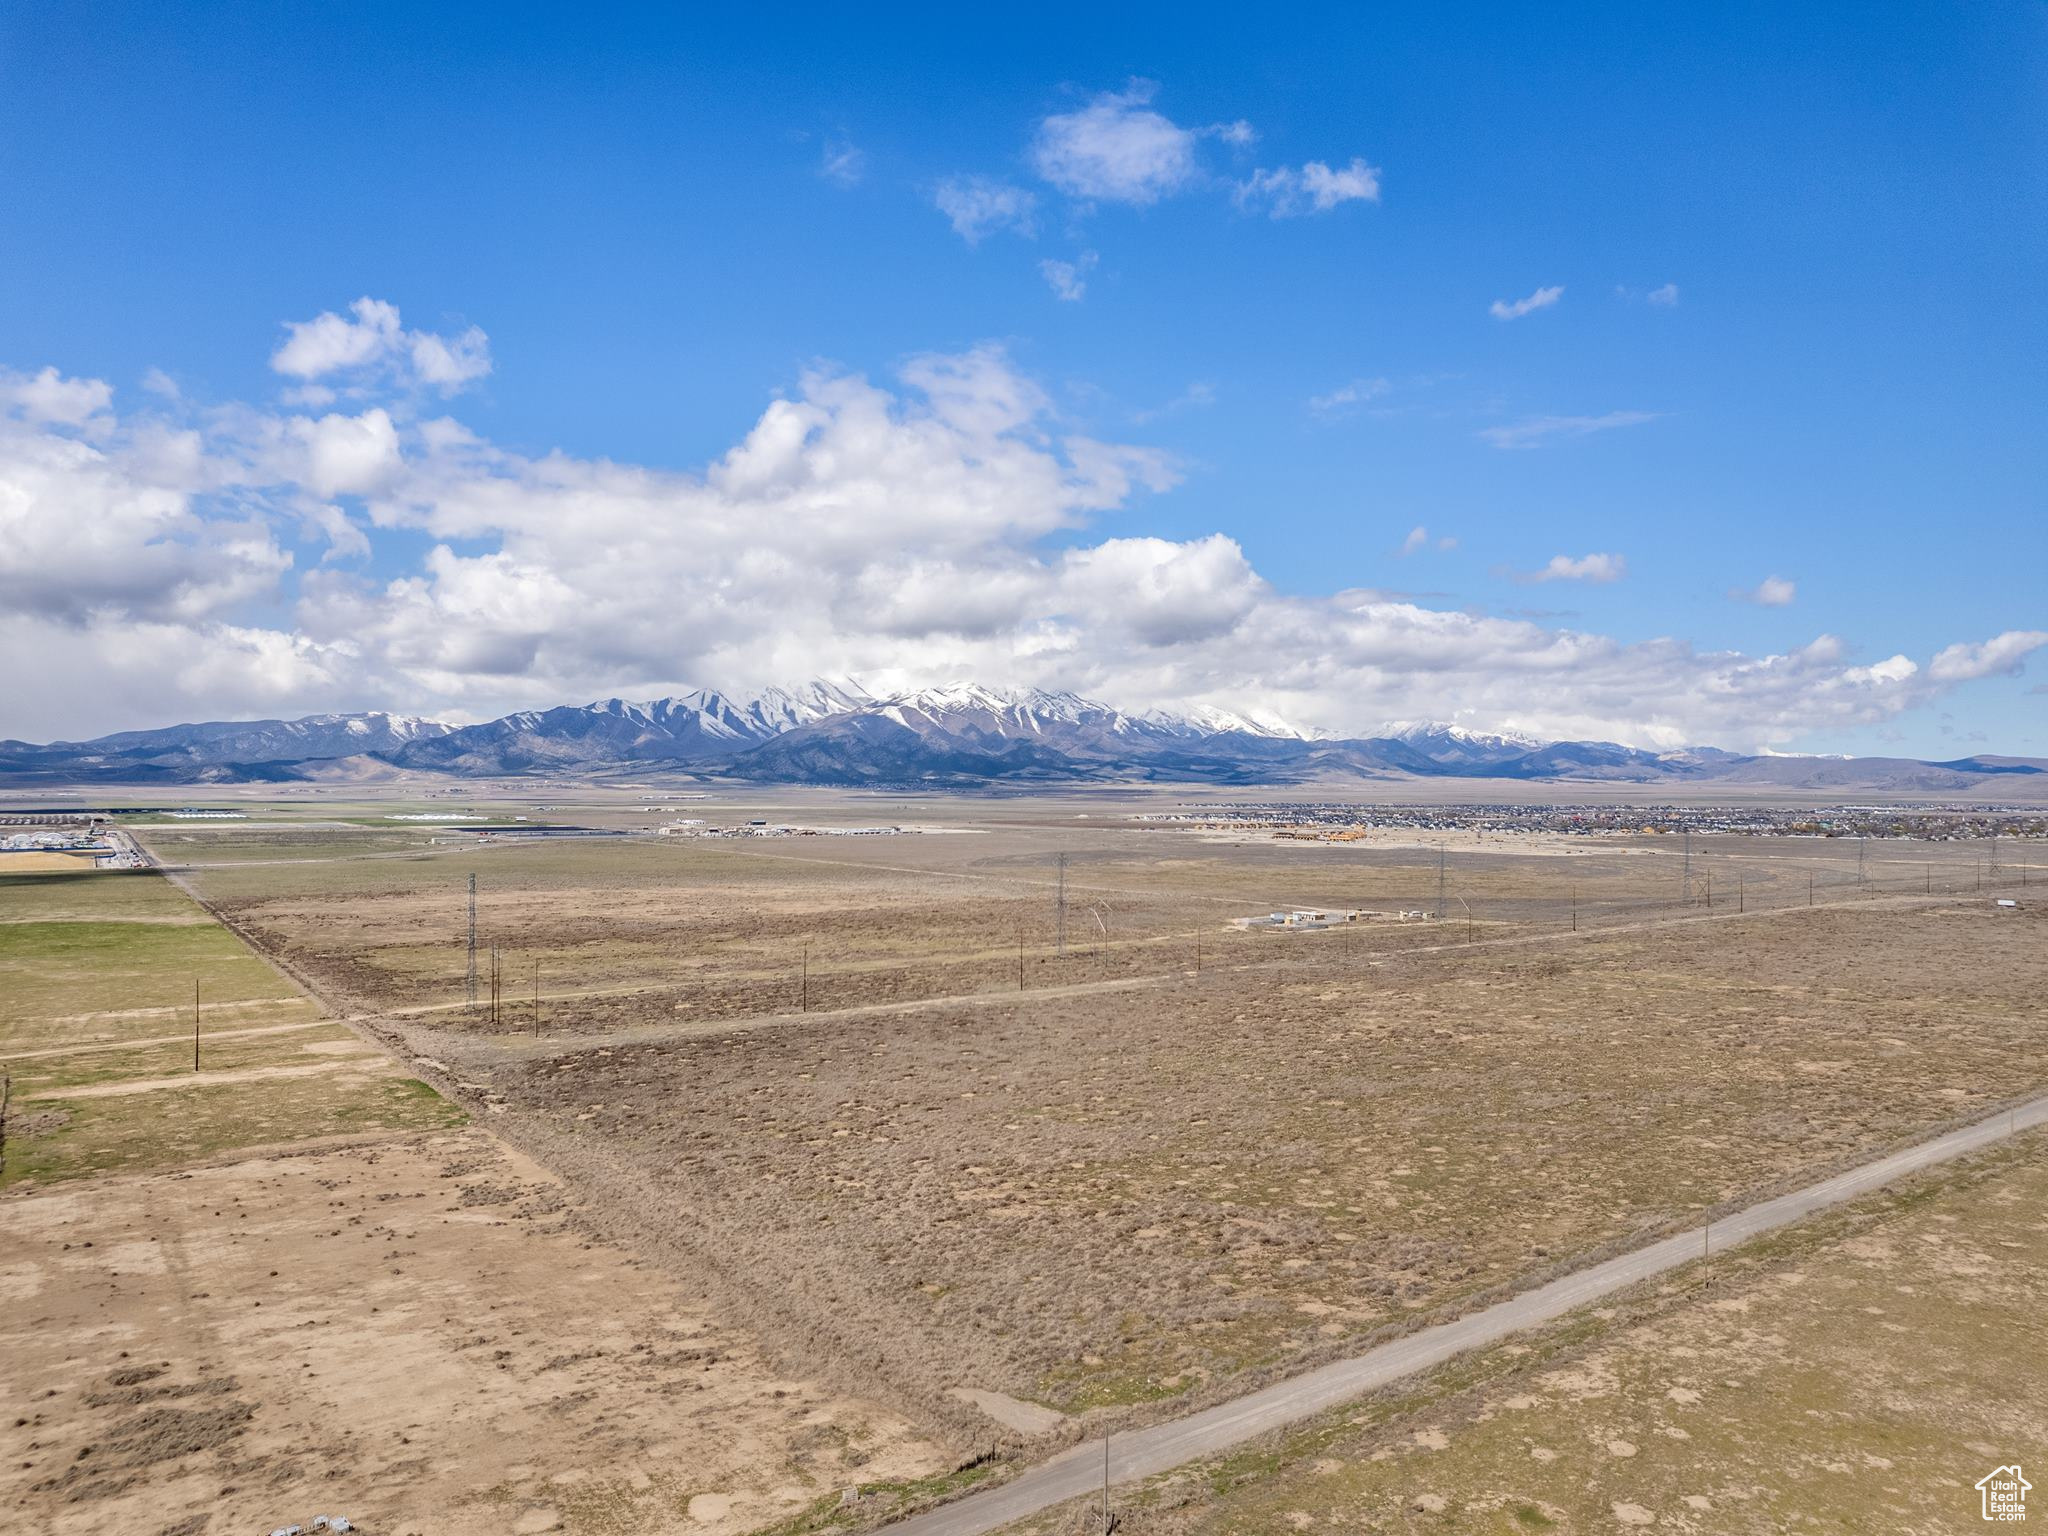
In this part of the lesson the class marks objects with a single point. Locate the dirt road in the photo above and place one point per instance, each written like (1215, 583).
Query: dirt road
(1147, 1452)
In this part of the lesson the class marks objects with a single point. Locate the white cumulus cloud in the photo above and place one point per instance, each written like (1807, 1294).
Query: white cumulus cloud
(1346, 398)
(1771, 592)
(1116, 149)
(1314, 188)
(1067, 279)
(2003, 654)
(939, 525)
(1597, 568)
(372, 337)
(48, 396)
(1514, 309)
(979, 206)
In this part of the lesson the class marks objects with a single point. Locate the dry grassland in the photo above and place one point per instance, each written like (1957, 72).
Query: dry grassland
(1857, 1373)
(1155, 1193)
(634, 933)
(1097, 1199)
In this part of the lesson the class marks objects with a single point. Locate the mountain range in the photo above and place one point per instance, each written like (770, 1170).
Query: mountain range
(958, 736)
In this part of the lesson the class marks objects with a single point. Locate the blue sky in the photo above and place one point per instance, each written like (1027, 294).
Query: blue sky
(1797, 335)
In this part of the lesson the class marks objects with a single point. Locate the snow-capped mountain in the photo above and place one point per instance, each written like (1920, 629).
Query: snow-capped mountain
(699, 726)
(970, 708)
(959, 734)
(183, 752)
(1448, 744)
(963, 731)
(1209, 720)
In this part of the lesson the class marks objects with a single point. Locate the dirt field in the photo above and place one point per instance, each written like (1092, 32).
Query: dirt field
(408, 1332)
(1127, 1185)
(288, 1283)
(1860, 1372)
(623, 934)
(832, 1131)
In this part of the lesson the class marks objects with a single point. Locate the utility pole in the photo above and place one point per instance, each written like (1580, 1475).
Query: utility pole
(1859, 858)
(1809, 887)
(536, 998)
(195, 1023)
(1020, 954)
(1198, 952)
(1439, 881)
(1741, 893)
(1685, 874)
(1575, 909)
(1061, 904)
(804, 997)
(472, 940)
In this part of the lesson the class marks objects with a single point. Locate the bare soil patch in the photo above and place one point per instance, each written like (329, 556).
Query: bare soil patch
(413, 1334)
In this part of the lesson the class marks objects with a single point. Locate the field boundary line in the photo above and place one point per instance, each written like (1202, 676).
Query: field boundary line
(783, 1019)
(95, 1046)
(124, 1087)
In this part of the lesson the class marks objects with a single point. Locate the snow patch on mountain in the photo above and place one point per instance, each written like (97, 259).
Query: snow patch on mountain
(1418, 733)
(1211, 720)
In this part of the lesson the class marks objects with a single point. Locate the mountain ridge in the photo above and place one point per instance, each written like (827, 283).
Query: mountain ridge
(952, 735)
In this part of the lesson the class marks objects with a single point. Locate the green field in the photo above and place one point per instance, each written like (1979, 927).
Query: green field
(98, 974)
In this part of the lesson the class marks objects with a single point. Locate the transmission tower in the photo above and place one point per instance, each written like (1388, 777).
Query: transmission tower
(1062, 905)
(472, 941)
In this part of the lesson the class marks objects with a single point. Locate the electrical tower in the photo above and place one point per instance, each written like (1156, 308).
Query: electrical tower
(1690, 888)
(1062, 905)
(472, 941)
